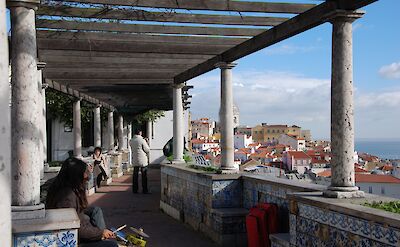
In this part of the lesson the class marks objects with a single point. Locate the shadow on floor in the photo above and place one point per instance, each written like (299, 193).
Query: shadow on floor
(121, 206)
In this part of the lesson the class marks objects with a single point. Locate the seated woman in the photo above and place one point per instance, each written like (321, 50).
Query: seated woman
(68, 191)
(99, 166)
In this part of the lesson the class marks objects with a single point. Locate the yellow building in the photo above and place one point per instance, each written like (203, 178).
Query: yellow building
(258, 133)
(269, 133)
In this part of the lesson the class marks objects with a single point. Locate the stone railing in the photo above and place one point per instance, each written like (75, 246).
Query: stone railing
(216, 204)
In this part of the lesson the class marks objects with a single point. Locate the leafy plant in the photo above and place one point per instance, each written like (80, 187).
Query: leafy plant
(147, 116)
(393, 206)
(206, 169)
(59, 106)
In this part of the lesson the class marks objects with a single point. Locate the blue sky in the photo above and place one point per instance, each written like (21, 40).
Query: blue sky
(289, 83)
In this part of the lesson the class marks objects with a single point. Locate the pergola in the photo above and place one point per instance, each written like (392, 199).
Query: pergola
(134, 55)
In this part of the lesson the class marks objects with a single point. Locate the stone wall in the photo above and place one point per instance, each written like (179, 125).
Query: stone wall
(217, 205)
(333, 222)
(257, 188)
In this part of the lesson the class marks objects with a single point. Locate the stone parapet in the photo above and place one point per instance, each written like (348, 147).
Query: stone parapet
(58, 228)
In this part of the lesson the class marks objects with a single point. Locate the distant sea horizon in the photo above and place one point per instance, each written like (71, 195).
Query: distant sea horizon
(384, 148)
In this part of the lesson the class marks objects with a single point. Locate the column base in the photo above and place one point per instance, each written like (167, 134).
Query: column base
(343, 192)
(28, 212)
(178, 161)
(229, 170)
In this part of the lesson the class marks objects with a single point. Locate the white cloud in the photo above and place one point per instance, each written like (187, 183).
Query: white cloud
(286, 98)
(391, 71)
(288, 49)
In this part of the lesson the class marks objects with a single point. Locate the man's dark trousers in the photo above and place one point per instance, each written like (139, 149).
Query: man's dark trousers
(135, 184)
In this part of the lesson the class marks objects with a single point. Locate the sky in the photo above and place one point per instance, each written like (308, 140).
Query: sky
(289, 83)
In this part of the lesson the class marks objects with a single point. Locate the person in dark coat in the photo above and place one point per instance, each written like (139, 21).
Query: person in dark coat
(68, 191)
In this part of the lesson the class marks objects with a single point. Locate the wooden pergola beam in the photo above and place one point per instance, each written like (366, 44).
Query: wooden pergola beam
(78, 65)
(109, 46)
(76, 61)
(113, 82)
(146, 28)
(142, 38)
(123, 55)
(219, 5)
(154, 74)
(142, 15)
(67, 90)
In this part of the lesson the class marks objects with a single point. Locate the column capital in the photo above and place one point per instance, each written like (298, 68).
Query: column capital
(40, 65)
(344, 15)
(32, 4)
(178, 85)
(225, 65)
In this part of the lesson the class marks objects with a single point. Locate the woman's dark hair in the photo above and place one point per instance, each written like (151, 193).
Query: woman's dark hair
(97, 148)
(71, 176)
(137, 131)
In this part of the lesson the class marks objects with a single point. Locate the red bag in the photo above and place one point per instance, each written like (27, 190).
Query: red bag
(253, 235)
(260, 223)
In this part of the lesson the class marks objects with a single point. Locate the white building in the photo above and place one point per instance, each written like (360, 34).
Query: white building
(202, 128)
(242, 141)
(298, 144)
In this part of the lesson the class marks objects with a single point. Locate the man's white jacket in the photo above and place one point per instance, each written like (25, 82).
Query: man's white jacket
(140, 151)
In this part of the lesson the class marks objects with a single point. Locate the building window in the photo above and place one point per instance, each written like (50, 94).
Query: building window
(267, 131)
(382, 190)
(370, 190)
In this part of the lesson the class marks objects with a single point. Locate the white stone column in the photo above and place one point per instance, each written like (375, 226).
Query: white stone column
(178, 124)
(120, 129)
(77, 129)
(342, 108)
(97, 126)
(110, 131)
(26, 124)
(149, 127)
(128, 143)
(42, 115)
(226, 118)
(5, 135)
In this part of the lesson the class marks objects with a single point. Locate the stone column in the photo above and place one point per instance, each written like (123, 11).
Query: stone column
(149, 127)
(77, 129)
(42, 115)
(129, 134)
(110, 131)
(178, 124)
(342, 108)
(120, 129)
(226, 118)
(5, 135)
(97, 126)
(26, 124)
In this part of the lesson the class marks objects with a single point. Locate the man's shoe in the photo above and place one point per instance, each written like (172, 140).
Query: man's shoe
(134, 192)
(146, 192)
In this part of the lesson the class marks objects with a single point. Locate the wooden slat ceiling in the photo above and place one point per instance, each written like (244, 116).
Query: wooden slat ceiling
(127, 53)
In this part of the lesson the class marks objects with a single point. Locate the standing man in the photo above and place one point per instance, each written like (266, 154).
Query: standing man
(140, 154)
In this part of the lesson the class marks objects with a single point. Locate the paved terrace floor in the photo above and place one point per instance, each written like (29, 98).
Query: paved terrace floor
(121, 206)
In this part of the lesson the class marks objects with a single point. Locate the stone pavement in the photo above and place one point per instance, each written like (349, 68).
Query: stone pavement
(121, 206)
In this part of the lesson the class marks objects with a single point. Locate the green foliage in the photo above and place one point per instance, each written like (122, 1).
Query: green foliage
(55, 163)
(206, 169)
(393, 206)
(59, 106)
(186, 158)
(150, 115)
